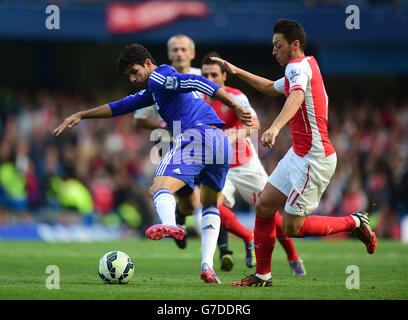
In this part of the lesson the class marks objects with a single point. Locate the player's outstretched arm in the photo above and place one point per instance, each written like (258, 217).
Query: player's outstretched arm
(133, 102)
(184, 82)
(259, 83)
(103, 111)
(288, 111)
(243, 114)
(243, 131)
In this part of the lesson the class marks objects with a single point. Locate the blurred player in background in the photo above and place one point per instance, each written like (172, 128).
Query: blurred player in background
(181, 53)
(300, 178)
(246, 174)
(195, 127)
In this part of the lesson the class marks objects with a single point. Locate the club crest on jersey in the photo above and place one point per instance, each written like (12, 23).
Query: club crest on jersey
(224, 109)
(171, 83)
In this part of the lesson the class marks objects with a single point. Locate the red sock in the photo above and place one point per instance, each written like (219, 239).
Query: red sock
(284, 240)
(323, 226)
(265, 238)
(230, 223)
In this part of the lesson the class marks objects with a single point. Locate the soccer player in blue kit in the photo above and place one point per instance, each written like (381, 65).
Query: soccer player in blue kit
(200, 149)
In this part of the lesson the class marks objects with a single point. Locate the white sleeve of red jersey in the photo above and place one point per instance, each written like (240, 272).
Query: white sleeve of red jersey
(298, 75)
(279, 85)
(242, 99)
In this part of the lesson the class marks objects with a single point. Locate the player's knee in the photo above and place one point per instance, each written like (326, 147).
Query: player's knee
(153, 189)
(264, 209)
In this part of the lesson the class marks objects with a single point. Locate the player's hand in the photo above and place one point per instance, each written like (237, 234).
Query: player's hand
(244, 115)
(269, 137)
(229, 66)
(69, 122)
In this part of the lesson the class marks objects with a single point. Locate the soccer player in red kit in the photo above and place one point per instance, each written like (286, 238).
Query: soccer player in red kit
(300, 178)
(246, 174)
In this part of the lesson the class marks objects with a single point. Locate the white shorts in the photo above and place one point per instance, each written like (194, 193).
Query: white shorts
(303, 180)
(249, 180)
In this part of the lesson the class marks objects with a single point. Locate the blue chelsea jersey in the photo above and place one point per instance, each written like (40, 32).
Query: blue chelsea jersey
(175, 97)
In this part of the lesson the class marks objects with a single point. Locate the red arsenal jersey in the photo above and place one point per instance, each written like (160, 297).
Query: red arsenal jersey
(243, 149)
(309, 125)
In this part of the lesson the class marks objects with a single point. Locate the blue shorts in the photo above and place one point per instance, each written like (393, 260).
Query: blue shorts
(203, 152)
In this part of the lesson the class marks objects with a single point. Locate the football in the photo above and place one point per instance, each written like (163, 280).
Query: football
(116, 267)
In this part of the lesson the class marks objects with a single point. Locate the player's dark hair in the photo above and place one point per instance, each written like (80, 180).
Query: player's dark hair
(291, 30)
(133, 54)
(207, 60)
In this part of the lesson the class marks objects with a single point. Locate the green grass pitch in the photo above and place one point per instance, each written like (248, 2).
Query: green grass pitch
(164, 272)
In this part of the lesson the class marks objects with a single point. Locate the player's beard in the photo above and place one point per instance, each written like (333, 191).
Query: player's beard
(143, 85)
(284, 59)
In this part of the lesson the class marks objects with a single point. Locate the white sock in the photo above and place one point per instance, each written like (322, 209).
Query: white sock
(357, 220)
(165, 205)
(264, 277)
(210, 228)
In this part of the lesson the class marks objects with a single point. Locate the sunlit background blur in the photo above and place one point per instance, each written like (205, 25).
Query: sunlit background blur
(91, 182)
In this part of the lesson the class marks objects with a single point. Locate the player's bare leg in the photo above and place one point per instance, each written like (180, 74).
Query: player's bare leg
(162, 191)
(170, 183)
(210, 227)
(292, 224)
(187, 205)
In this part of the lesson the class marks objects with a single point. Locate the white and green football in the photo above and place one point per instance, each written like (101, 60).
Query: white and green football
(116, 267)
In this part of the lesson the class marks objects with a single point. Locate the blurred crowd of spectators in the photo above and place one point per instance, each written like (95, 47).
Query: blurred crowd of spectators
(102, 168)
